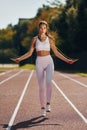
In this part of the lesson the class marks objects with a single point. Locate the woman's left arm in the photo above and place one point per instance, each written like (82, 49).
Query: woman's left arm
(61, 56)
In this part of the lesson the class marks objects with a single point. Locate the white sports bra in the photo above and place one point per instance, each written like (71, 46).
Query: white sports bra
(42, 46)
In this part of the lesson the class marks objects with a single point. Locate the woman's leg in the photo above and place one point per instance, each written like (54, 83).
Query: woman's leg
(49, 75)
(40, 76)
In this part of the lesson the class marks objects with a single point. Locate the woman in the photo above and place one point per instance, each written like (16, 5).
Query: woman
(43, 43)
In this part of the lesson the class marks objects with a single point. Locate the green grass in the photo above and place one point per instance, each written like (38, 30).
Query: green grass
(82, 74)
(27, 66)
(2, 69)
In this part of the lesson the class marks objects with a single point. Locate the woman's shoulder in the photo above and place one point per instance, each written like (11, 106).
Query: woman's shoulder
(35, 37)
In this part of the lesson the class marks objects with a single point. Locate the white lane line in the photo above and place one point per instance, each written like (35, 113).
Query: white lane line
(19, 102)
(66, 98)
(76, 81)
(11, 77)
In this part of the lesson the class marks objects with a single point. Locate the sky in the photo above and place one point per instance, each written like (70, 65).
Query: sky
(12, 10)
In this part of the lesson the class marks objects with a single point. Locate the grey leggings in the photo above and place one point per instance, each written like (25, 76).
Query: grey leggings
(44, 64)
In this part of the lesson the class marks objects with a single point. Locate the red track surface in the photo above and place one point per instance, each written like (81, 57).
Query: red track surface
(20, 107)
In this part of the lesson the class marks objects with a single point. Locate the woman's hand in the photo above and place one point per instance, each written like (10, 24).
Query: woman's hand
(71, 61)
(17, 60)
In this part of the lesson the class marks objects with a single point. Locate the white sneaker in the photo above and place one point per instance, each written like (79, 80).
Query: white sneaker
(43, 112)
(48, 108)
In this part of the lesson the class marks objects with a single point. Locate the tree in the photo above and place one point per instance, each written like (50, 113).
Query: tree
(7, 48)
(81, 37)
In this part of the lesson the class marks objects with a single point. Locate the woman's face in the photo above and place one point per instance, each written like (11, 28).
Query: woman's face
(42, 29)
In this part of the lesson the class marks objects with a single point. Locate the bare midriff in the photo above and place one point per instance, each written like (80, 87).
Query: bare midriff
(43, 53)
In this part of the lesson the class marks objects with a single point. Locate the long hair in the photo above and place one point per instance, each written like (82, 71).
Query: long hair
(50, 36)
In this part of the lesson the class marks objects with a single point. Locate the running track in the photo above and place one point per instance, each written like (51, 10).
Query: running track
(20, 107)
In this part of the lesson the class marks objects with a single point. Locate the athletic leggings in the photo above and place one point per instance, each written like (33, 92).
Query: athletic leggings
(44, 64)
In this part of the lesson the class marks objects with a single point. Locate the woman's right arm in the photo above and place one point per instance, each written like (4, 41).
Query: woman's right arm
(26, 55)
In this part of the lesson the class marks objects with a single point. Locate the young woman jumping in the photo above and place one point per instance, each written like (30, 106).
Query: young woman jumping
(44, 63)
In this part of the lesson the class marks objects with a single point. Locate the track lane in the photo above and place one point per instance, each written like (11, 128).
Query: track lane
(10, 92)
(62, 117)
(19, 102)
(78, 81)
(8, 75)
(75, 92)
(69, 101)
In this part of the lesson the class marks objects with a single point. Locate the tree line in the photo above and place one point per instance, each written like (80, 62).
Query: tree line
(67, 23)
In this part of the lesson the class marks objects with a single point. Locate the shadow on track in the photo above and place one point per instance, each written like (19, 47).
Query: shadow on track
(30, 123)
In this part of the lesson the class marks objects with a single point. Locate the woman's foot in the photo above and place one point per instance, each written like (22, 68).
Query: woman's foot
(43, 112)
(48, 108)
